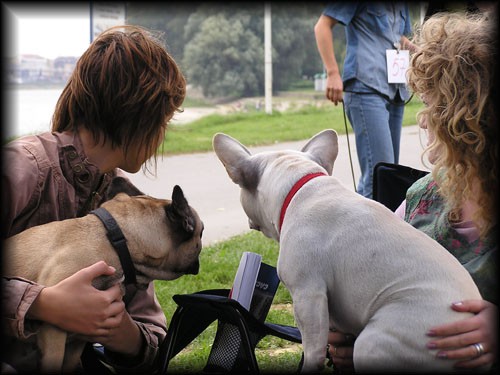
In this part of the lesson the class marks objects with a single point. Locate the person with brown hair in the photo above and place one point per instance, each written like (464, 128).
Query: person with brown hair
(111, 116)
(453, 70)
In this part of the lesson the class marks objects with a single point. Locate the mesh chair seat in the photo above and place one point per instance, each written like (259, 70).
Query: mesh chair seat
(238, 331)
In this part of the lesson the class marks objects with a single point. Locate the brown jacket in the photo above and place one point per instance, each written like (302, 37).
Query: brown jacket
(45, 178)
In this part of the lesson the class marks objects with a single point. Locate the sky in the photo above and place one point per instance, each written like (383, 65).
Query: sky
(47, 30)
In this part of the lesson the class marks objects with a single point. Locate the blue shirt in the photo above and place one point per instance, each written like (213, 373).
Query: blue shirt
(371, 29)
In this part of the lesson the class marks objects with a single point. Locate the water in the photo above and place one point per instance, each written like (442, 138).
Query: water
(29, 111)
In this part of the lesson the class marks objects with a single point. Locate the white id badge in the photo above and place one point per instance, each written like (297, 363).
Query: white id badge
(397, 64)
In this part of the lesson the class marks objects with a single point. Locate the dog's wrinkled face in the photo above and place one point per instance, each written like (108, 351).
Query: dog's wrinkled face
(164, 240)
(266, 177)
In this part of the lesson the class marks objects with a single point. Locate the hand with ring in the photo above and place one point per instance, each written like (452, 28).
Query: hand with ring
(479, 349)
(340, 347)
(471, 341)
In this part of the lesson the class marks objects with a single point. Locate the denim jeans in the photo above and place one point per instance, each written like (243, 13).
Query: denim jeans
(377, 124)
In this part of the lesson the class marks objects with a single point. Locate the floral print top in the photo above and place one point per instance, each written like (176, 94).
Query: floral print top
(427, 211)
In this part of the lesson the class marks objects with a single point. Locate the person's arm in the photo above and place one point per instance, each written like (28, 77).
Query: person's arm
(325, 44)
(456, 340)
(74, 304)
(97, 316)
(17, 297)
(400, 211)
(146, 313)
(407, 44)
(21, 185)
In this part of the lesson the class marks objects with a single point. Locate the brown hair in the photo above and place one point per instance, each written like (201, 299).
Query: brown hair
(454, 70)
(124, 89)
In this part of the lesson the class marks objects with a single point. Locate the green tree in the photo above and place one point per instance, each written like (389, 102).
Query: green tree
(294, 47)
(312, 64)
(169, 18)
(220, 46)
(225, 58)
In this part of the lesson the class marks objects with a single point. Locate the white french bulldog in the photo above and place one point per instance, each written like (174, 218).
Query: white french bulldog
(349, 263)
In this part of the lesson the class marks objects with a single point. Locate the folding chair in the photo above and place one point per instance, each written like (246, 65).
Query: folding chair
(391, 181)
(238, 331)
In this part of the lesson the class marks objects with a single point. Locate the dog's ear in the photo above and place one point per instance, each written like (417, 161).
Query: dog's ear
(236, 159)
(121, 185)
(179, 213)
(323, 148)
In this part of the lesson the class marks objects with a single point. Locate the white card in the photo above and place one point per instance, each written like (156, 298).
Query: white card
(397, 65)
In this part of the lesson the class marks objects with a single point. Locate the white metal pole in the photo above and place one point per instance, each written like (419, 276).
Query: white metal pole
(268, 59)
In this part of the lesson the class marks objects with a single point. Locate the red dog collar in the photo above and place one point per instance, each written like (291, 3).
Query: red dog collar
(294, 190)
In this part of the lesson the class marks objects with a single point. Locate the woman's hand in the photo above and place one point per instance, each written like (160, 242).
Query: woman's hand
(471, 341)
(74, 304)
(341, 349)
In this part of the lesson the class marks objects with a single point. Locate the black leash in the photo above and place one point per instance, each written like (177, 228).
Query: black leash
(117, 239)
(349, 147)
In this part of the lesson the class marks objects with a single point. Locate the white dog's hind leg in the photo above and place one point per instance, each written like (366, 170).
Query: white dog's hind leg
(52, 343)
(373, 354)
(311, 314)
(378, 350)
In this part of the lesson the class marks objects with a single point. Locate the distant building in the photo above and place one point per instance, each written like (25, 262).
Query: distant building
(33, 69)
(63, 67)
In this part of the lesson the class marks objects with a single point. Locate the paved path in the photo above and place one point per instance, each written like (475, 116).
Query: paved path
(209, 190)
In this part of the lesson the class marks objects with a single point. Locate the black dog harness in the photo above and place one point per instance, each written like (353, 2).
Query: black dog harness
(119, 242)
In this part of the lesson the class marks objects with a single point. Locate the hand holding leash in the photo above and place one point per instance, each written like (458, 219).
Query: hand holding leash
(334, 88)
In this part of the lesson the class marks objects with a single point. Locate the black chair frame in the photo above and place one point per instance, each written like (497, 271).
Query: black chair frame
(391, 181)
(195, 312)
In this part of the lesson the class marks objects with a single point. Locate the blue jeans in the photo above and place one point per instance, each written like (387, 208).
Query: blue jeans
(377, 126)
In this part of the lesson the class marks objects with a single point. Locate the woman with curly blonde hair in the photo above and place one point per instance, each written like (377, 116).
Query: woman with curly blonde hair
(453, 72)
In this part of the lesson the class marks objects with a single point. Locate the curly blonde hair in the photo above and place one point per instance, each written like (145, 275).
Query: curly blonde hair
(454, 70)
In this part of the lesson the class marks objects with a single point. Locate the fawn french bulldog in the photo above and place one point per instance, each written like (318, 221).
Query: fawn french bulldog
(163, 238)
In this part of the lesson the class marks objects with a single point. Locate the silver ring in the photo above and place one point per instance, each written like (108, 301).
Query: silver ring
(334, 351)
(479, 349)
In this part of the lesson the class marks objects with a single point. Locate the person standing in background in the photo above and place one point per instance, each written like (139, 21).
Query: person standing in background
(374, 103)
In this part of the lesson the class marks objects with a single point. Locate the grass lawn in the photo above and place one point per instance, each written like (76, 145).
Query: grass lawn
(254, 128)
(218, 265)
